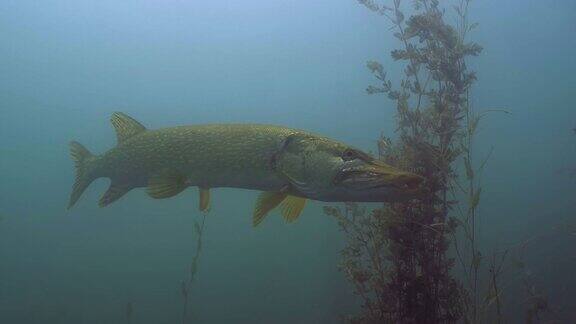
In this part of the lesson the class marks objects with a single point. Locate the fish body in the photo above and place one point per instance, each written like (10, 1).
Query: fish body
(207, 156)
(289, 165)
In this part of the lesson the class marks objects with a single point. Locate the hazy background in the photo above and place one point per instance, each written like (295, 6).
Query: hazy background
(65, 66)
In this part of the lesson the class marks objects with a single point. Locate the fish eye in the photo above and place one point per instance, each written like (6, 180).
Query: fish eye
(349, 155)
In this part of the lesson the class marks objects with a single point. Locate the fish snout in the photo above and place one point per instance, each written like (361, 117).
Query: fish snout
(379, 175)
(408, 181)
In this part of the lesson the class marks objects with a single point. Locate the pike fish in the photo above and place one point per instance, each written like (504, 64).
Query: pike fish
(289, 166)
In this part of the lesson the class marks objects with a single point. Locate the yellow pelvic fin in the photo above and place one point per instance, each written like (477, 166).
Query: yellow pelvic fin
(125, 126)
(166, 185)
(292, 207)
(266, 202)
(204, 199)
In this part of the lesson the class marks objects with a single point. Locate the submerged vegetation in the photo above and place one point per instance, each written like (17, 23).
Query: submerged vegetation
(419, 261)
(186, 285)
(397, 255)
(129, 312)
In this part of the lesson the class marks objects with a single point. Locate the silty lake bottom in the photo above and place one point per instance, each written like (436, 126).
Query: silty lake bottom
(484, 113)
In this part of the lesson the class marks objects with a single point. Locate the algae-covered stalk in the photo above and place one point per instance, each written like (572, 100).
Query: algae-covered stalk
(186, 286)
(129, 312)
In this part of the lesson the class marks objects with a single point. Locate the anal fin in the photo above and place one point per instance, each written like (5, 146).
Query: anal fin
(114, 192)
(166, 185)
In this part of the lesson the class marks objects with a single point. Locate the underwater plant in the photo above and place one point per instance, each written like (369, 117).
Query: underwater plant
(186, 286)
(397, 255)
(129, 312)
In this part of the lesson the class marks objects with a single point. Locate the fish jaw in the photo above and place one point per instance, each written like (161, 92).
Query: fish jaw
(376, 182)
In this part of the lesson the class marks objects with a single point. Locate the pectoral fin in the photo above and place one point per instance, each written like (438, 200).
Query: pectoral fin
(265, 203)
(166, 185)
(292, 207)
(204, 199)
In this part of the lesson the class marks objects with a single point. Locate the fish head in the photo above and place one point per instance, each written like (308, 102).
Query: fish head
(326, 170)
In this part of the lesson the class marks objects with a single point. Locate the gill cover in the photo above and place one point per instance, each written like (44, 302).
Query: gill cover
(327, 170)
(294, 161)
(307, 162)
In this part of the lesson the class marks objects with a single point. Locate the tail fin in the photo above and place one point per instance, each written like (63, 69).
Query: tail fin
(83, 160)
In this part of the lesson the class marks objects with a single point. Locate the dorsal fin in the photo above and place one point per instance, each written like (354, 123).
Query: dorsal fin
(125, 126)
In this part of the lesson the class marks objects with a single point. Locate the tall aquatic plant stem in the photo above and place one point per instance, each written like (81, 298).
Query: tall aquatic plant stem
(415, 283)
(187, 285)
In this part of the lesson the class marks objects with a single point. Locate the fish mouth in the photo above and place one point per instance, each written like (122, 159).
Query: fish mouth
(375, 177)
